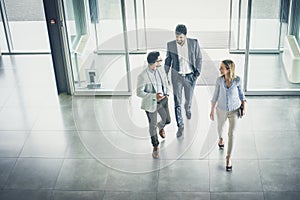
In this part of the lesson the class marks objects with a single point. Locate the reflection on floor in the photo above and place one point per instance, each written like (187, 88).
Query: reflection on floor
(62, 147)
(266, 71)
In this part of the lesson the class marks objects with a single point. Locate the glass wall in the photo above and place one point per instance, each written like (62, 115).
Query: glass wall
(266, 26)
(98, 42)
(268, 68)
(238, 26)
(135, 22)
(295, 20)
(25, 25)
(3, 41)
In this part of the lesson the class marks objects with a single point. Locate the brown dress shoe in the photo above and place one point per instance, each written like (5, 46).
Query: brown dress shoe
(162, 133)
(155, 153)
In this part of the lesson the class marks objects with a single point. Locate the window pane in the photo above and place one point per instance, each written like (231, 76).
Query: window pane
(27, 25)
(3, 43)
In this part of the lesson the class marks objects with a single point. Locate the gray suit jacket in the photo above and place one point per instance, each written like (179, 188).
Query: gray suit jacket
(146, 89)
(195, 56)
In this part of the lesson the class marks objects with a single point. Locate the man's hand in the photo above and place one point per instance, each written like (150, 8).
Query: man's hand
(159, 96)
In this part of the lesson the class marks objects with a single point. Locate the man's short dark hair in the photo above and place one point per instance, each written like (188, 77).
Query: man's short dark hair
(180, 29)
(152, 57)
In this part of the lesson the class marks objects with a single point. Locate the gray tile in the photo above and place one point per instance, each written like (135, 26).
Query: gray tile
(282, 145)
(6, 165)
(122, 181)
(26, 97)
(18, 118)
(133, 165)
(26, 194)
(7, 79)
(245, 176)
(82, 174)
(76, 149)
(244, 147)
(197, 147)
(134, 144)
(270, 114)
(36, 173)
(296, 112)
(282, 195)
(281, 175)
(86, 119)
(11, 143)
(55, 119)
(5, 93)
(237, 196)
(45, 145)
(101, 144)
(184, 176)
(129, 195)
(77, 195)
(183, 195)
(189, 147)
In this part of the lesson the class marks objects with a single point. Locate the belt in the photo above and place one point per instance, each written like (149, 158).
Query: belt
(181, 74)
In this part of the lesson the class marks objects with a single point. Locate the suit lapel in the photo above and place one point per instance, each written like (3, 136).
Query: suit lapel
(175, 49)
(189, 43)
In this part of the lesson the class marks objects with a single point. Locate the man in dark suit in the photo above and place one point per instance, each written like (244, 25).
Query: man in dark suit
(185, 59)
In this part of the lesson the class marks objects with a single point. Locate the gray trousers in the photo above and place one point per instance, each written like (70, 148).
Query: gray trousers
(163, 111)
(186, 83)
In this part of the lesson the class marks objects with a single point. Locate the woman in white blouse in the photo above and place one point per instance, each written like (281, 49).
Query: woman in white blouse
(228, 96)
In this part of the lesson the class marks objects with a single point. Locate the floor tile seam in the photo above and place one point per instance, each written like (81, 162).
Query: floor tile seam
(261, 177)
(58, 174)
(10, 173)
(23, 145)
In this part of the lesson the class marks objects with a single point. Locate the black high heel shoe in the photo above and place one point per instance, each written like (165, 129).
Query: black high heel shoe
(221, 146)
(228, 167)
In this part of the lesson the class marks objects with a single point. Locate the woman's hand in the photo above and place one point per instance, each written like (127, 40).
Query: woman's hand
(244, 111)
(244, 108)
(212, 115)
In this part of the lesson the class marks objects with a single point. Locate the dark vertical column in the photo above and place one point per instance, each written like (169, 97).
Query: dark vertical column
(58, 46)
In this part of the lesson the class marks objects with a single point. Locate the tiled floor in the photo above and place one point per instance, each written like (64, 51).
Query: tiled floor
(62, 147)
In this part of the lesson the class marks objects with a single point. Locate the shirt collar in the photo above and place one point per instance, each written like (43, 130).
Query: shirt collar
(151, 70)
(184, 45)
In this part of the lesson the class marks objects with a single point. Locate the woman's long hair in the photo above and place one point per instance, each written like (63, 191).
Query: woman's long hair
(229, 64)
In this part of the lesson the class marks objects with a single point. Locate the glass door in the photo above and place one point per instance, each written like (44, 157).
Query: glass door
(266, 26)
(23, 27)
(265, 71)
(136, 27)
(97, 36)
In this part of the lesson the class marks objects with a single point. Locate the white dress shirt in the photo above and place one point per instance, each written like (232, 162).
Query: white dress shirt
(183, 56)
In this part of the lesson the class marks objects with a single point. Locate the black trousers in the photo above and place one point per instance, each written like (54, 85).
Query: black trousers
(163, 111)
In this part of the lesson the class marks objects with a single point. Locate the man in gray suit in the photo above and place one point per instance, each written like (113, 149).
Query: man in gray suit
(152, 87)
(185, 59)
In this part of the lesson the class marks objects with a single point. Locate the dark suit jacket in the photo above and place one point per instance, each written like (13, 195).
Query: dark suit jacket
(195, 56)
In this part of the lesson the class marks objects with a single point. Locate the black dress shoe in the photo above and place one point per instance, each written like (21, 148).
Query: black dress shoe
(179, 133)
(188, 114)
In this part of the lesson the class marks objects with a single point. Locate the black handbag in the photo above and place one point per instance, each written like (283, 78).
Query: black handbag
(240, 111)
